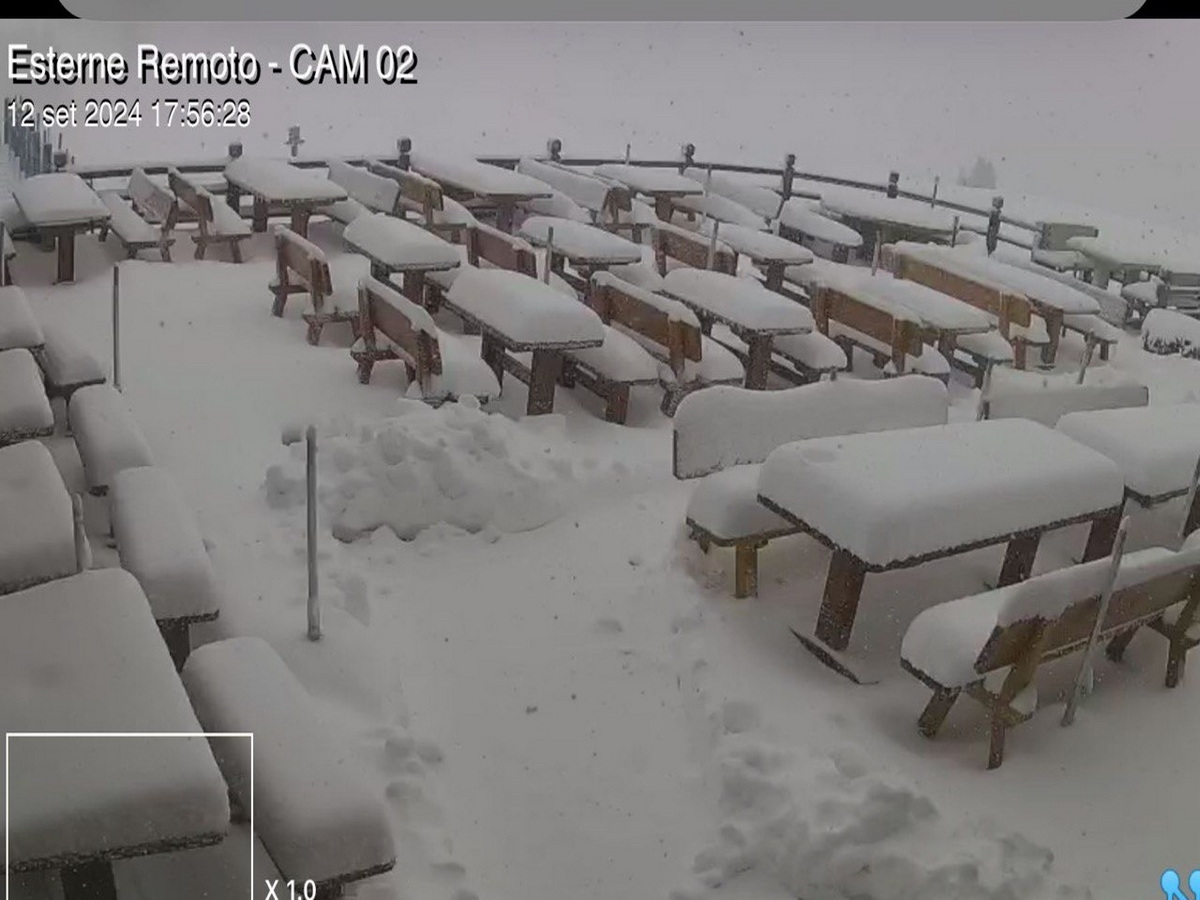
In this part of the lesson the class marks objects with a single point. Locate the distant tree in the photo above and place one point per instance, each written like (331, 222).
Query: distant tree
(981, 175)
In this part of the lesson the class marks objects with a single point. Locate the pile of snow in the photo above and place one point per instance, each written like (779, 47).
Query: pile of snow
(1166, 331)
(455, 466)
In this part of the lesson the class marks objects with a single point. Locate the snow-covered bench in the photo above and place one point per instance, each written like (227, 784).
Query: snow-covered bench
(441, 366)
(424, 197)
(218, 222)
(368, 192)
(669, 331)
(990, 645)
(724, 433)
(144, 221)
(1046, 398)
(604, 201)
(302, 268)
(890, 336)
(18, 327)
(39, 537)
(67, 364)
(160, 545)
(24, 409)
(1166, 332)
(671, 242)
(106, 434)
(1168, 290)
(1102, 334)
(1050, 247)
(315, 814)
(484, 246)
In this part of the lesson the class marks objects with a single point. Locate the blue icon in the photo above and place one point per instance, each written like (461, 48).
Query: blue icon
(1170, 884)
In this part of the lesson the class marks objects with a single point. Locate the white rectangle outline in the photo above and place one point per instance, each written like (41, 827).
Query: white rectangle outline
(8, 735)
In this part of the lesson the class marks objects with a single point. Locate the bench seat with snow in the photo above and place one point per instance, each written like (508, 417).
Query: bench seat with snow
(441, 366)
(146, 220)
(1051, 250)
(990, 645)
(24, 408)
(106, 434)
(314, 813)
(217, 222)
(1095, 331)
(687, 359)
(301, 267)
(1045, 398)
(796, 358)
(892, 336)
(516, 314)
(18, 327)
(678, 246)
(424, 197)
(159, 543)
(722, 435)
(43, 542)
(1164, 291)
(368, 193)
(1166, 332)
(484, 246)
(67, 364)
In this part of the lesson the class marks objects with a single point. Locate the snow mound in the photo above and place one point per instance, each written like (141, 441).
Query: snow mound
(453, 467)
(831, 828)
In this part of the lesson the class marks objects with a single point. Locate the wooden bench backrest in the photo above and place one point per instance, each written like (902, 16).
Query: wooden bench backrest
(416, 190)
(376, 192)
(681, 340)
(1184, 282)
(901, 335)
(501, 250)
(296, 254)
(691, 250)
(1054, 235)
(1008, 307)
(1012, 643)
(199, 201)
(152, 201)
(407, 325)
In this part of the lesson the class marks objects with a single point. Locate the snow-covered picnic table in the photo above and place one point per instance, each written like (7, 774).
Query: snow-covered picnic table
(82, 655)
(470, 178)
(722, 209)
(889, 219)
(60, 205)
(394, 245)
(587, 248)
(805, 217)
(519, 314)
(753, 313)
(1127, 261)
(275, 182)
(1155, 447)
(662, 185)
(591, 193)
(769, 252)
(901, 498)
(37, 534)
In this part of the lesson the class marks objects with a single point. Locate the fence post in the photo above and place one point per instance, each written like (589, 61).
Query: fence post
(993, 226)
(549, 254)
(893, 188)
(116, 326)
(628, 151)
(403, 151)
(3, 258)
(294, 140)
(789, 175)
(689, 154)
(233, 193)
(314, 596)
(712, 244)
(554, 149)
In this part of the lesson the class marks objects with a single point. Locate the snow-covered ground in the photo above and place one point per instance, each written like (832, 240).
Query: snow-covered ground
(552, 689)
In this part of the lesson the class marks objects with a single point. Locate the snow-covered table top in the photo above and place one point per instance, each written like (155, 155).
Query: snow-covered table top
(903, 496)
(805, 217)
(1113, 253)
(762, 246)
(39, 543)
(740, 303)
(281, 182)
(59, 198)
(527, 313)
(652, 182)
(1156, 447)
(83, 654)
(1038, 288)
(757, 198)
(583, 189)
(479, 179)
(887, 211)
(398, 245)
(722, 209)
(579, 242)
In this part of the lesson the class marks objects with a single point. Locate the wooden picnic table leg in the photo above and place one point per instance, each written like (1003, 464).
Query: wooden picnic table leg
(259, 216)
(65, 238)
(1102, 535)
(758, 363)
(504, 216)
(414, 286)
(379, 271)
(300, 217)
(774, 276)
(1018, 560)
(839, 606)
(543, 375)
(663, 208)
(1193, 517)
(89, 881)
(493, 354)
(177, 636)
(1054, 325)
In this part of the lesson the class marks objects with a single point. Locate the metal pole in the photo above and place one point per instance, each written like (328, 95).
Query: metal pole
(1114, 568)
(314, 598)
(116, 326)
(1088, 349)
(933, 199)
(628, 151)
(712, 244)
(984, 389)
(81, 554)
(878, 251)
(3, 257)
(549, 254)
(954, 233)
